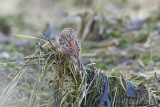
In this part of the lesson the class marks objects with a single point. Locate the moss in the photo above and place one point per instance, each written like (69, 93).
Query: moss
(115, 73)
(125, 43)
(102, 65)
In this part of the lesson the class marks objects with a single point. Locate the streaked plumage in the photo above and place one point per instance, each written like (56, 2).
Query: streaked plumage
(70, 44)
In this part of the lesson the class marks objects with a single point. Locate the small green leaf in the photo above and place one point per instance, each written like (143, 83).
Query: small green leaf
(25, 36)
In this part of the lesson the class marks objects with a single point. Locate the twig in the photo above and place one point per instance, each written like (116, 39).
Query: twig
(48, 40)
(33, 64)
(41, 47)
(45, 56)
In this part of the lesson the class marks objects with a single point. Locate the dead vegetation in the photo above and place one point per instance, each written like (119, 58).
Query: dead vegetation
(56, 82)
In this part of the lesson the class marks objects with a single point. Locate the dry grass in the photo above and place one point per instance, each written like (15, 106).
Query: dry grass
(56, 82)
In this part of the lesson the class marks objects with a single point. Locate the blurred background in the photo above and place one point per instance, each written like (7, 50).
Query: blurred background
(116, 35)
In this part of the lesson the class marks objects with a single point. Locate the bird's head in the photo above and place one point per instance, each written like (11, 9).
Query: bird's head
(67, 31)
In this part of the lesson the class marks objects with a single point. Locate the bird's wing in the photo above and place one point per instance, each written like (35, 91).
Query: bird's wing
(74, 47)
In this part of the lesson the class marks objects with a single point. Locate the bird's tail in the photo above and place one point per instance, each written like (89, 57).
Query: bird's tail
(80, 65)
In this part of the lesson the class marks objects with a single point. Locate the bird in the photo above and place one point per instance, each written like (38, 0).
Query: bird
(70, 45)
